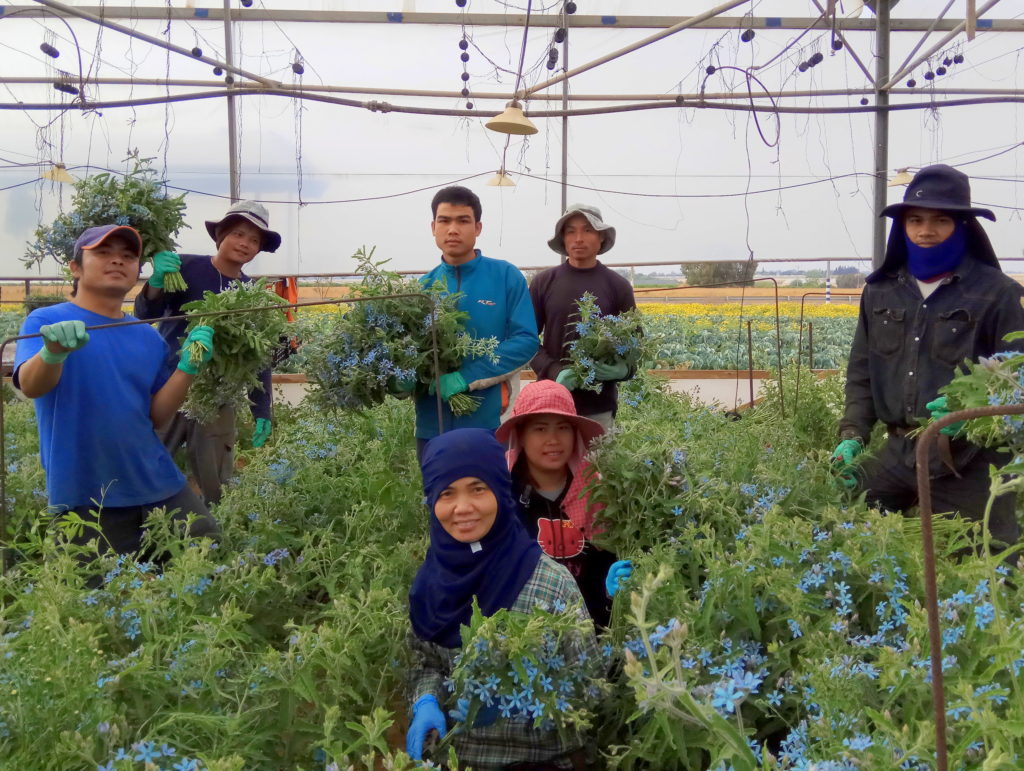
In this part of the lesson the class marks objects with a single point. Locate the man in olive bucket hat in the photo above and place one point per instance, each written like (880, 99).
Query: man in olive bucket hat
(240, 235)
(580, 235)
(939, 297)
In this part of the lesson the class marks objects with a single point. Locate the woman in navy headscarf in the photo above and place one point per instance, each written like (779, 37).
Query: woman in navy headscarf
(478, 549)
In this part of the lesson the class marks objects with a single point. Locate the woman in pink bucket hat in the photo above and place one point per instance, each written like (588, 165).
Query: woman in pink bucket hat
(547, 442)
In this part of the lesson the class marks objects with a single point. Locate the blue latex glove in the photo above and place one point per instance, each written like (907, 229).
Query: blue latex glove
(204, 337)
(940, 408)
(65, 336)
(842, 460)
(262, 432)
(616, 371)
(451, 384)
(426, 717)
(620, 571)
(163, 263)
(567, 379)
(485, 716)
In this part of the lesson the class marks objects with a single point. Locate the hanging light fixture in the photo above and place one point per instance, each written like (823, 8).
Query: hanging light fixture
(903, 177)
(500, 179)
(58, 172)
(512, 121)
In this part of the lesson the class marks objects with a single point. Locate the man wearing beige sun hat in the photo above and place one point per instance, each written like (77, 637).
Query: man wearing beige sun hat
(580, 236)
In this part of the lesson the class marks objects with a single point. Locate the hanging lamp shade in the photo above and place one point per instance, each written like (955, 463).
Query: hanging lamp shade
(903, 177)
(501, 179)
(512, 121)
(57, 173)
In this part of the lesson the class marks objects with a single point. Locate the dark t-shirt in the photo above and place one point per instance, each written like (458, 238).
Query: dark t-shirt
(561, 540)
(554, 293)
(201, 276)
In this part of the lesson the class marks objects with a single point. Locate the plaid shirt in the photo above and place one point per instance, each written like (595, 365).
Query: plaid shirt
(508, 740)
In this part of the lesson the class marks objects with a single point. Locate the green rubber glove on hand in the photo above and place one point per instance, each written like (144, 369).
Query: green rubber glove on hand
(607, 372)
(567, 378)
(451, 384)
(203, 350)
(401, 387)
(842, 459)
(940, 408)
(65, 337)
(261, 433)
(163, 263)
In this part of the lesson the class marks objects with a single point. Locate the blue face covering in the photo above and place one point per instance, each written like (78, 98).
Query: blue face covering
(927, 262)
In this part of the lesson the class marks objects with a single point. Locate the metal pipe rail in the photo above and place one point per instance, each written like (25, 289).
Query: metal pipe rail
(924, 495)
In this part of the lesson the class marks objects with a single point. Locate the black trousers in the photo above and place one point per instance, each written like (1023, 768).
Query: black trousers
(123, 526)
(890, 480)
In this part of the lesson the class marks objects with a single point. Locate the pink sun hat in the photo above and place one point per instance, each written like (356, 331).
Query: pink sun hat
(546, 397)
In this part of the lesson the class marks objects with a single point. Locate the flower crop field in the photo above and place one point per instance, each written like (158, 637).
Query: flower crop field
(771, 622)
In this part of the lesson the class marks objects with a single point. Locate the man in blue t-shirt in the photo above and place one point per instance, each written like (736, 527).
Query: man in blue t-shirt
(497, 299)
(240, 235)
(100, 394)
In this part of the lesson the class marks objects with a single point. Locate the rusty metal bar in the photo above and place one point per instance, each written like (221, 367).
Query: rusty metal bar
(750, 360)
(924, 499)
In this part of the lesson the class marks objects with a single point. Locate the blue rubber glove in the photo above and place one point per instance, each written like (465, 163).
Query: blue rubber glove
(426, 717)
(261, 433)
(616, 371)
(842, 461)
(451, 384)
(940, 408)
(567, 379)
(620, 571)
(203, 337)
(485, 716)
(163, 263)
(65, 337)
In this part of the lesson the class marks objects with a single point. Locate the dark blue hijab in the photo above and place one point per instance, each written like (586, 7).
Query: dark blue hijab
(441, 598)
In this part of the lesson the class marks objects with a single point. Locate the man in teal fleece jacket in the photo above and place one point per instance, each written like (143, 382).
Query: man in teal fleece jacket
(497, 299)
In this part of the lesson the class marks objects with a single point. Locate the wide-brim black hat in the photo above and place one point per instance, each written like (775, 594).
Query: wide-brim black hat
(939, 187)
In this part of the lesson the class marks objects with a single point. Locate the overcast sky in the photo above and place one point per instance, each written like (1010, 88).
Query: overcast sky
(347, 153)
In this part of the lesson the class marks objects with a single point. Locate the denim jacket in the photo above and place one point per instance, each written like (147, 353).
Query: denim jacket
(907, 347)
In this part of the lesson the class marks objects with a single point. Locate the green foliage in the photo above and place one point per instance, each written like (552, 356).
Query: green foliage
(604, 340)
(508, 655)
(243, 344)
(138, 199)
(281, 646)
(720, 271)
(366, 352)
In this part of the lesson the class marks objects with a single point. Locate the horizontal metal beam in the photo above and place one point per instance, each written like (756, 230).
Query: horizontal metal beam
(298, 90)
(130, 13)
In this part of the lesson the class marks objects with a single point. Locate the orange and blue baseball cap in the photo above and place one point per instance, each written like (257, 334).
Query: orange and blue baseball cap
(93, 237)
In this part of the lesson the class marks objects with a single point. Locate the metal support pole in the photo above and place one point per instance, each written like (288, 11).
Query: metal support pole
(565, 118)
(881, 129)
(232, 118)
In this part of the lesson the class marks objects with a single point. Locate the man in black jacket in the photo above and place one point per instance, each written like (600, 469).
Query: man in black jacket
(939, 297)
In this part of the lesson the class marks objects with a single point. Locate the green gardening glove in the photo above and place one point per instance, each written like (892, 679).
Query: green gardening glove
(163, 263)
(940, 408)
(262, 432)
(842, 461)
(451, 384)
(196, 350)
(567, 378)
(616, 371)
(401, 387)
(62, 338)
